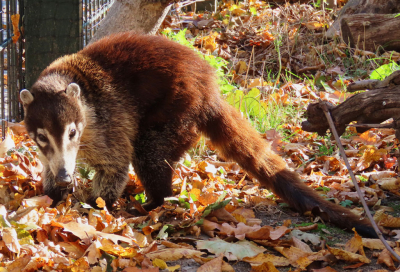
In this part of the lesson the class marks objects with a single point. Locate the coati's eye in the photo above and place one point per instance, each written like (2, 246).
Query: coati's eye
(42, 138)
(72, 133)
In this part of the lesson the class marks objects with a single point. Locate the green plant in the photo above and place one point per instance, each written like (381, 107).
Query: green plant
(141, 198)
(384, 70)
(324, 150)
(323, 188)
(346, 203)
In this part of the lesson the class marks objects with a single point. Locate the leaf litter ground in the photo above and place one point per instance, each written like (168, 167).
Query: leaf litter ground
(219, 219)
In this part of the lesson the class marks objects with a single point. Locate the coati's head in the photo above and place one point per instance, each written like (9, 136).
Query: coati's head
(55, 120)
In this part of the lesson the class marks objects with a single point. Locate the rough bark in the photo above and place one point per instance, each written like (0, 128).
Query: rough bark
(372, 107)
(371, 31)
(364, 6)
(142, 16)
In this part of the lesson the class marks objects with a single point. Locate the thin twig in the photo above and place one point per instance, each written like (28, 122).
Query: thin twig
(387, 125)
(353, 178)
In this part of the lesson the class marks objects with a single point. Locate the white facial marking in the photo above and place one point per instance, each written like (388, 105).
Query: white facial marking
(64, 155)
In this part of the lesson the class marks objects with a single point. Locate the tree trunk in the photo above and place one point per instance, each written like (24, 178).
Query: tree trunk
(370, 31)
(363, 6)
(142, 16)
(372, 107)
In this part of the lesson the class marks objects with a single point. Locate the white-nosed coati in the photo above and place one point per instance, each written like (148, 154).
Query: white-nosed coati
(144, 100)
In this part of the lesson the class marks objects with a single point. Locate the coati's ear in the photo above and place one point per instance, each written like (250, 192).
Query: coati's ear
(73, 90)
(26, 97)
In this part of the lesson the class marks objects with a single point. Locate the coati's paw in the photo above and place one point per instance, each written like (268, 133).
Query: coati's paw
(151, 205)
(137, 209)
(57, 195)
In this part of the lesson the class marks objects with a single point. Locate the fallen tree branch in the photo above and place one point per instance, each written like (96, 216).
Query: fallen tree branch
(325, 109)
(393, 79)
(373, 107)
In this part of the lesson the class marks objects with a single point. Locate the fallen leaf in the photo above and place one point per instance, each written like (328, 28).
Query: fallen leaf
(264, 258)
(386, 258)
(376, 243)
(265, 267)
(10, 238)
(173, 254)
(232, 251)
(213, 265)
(348, 256)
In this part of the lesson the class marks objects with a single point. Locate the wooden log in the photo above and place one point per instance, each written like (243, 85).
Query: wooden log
(363, 6)
(371, 31)
(371, 107)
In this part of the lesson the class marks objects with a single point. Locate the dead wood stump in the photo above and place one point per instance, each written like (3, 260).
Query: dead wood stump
(379, 104)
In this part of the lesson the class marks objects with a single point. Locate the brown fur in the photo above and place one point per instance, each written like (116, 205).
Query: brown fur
(145, 101)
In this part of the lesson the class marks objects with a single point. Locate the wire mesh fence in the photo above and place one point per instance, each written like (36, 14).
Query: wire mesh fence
(11, 62)
(93, 12)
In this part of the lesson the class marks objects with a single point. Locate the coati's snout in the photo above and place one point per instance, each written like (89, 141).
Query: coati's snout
(63, 178)
(55, 122)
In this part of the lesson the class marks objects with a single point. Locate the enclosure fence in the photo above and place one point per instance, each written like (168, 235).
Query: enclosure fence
(11, 62)
(93, 12)
(12, 44)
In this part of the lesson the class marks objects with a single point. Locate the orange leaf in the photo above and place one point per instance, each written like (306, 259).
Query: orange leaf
(15, 22)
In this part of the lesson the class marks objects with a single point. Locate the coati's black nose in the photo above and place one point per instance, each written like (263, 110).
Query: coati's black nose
(62, 178)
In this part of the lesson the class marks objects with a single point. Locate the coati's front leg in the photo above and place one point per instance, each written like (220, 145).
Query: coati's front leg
(55, 192)
(108, 183)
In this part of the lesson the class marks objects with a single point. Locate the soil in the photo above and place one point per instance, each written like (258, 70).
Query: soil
(334, 237)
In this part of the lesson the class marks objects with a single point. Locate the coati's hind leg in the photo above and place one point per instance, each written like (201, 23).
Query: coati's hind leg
(155, 152)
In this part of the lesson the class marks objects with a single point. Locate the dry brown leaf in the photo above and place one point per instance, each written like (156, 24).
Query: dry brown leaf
(159, 263)
(86, 232)
(355, 244)
(93, 252)
(239, 231)
(173, 254)
(370, 154)
(376, 243)
(19, 264)
(223, 215)
(114, 249)
(150, 229)
(15, 23)
(314, 25)
(263, 258)
(208, 198)
(387, 220)
(39, 201)
(297, 257)
(386, 258)
(265, 267)
(213, 265)
(135, 269)
(389, 183)
(261, 234)
(208, 227)
(301, 245)
(325, 269)
(100, 202)
(74, 249)
(140, 239)
(11, 240)
(348, 256)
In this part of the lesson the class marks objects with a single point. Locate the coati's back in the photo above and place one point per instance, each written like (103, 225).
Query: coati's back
(160, 75)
